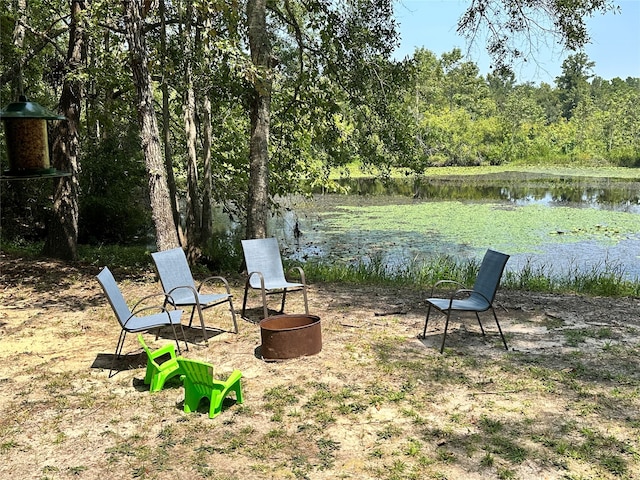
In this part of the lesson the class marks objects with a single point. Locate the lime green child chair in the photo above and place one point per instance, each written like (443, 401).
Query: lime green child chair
(199, 383)
(158, 373)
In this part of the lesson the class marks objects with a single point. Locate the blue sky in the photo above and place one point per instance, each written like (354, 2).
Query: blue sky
(614, 47)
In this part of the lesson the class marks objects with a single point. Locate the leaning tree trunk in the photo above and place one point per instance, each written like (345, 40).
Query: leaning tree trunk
(166, 236)
(260, 114)
(62, 233)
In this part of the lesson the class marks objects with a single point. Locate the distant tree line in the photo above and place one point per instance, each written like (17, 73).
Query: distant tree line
(451, 115)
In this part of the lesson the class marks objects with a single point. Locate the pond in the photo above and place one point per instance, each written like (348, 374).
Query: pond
(559, 223)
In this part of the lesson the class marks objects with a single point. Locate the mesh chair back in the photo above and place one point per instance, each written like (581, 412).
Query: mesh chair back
(174, 271)
(263, 255)
(114, 295)
(488, 278)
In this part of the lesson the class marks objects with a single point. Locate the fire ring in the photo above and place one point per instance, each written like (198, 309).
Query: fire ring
(290, 336)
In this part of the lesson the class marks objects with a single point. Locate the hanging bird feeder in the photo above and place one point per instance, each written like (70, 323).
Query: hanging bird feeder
(25, 126)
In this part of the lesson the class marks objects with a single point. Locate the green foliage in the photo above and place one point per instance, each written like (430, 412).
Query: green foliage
(114, 206)
(135, 259)
(338, 98)
(223, 251)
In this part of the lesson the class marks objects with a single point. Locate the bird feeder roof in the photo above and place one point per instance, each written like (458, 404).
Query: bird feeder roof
(25, 109)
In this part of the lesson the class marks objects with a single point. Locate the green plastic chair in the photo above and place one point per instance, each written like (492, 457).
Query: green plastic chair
(158, 373)
(199, 383)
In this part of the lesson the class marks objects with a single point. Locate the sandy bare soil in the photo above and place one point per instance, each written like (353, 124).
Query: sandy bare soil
(393, 406)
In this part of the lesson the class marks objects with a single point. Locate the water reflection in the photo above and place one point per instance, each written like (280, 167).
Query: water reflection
(399, 248)
(520, 189)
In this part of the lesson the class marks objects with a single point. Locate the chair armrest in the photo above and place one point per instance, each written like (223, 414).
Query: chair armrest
(188, 287)
(168, 348)
(461, 290)
(213, 279)
(300, 273)
(166, 296)
(251, 274)
(156, 308)
(457, 293)
(441, 282)
(478, 293)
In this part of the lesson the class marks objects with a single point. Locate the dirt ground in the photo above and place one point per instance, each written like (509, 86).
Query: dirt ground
(63, 417)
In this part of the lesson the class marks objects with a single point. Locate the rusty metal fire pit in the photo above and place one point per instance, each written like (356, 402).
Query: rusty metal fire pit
(290, 336)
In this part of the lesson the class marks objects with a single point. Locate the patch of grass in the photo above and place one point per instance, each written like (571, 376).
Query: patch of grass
(505, 473)
(76, 471)
(576, 336)
(129, 257)
(279, 397)
(488, 460)
(327, 448)
(6, 446)
(552, 322)
(489, 425)
(413, 447)
(508, 448)
(602, 280)
(389, 431)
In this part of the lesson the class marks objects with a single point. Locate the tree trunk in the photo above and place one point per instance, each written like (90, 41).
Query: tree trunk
(207, 193)
(207, 188)
(62, 234)
(19, 31)
(189, 107)
(166, 122)
(260, 113)
(166, 236)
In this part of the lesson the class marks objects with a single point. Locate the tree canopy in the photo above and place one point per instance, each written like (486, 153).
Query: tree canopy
(336, 97)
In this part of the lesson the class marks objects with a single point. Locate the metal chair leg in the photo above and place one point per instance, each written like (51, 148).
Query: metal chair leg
(204, 330)
(184, 338)
(119, 345)
(193, 310)
(264, 303)
(233, 316)
(244, 301)
(284, 297)
(480, 323)
(444, 335)
(306, 304)
(175, 334)
(424, 332)
(499, 329)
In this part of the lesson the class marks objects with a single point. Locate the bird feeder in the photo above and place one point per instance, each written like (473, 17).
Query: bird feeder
(25, 126)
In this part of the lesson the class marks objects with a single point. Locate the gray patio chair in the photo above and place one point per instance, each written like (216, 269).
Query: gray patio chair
(177, 282)
(131, 320)
(479, 299)
(266, 273)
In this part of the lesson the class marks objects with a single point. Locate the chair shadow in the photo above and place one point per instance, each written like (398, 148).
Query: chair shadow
(193, 334)
(138, 358)
(459, 335)
(255, 315)
(130, 361)
(432, 340)
(171, 384)
(203, 407)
